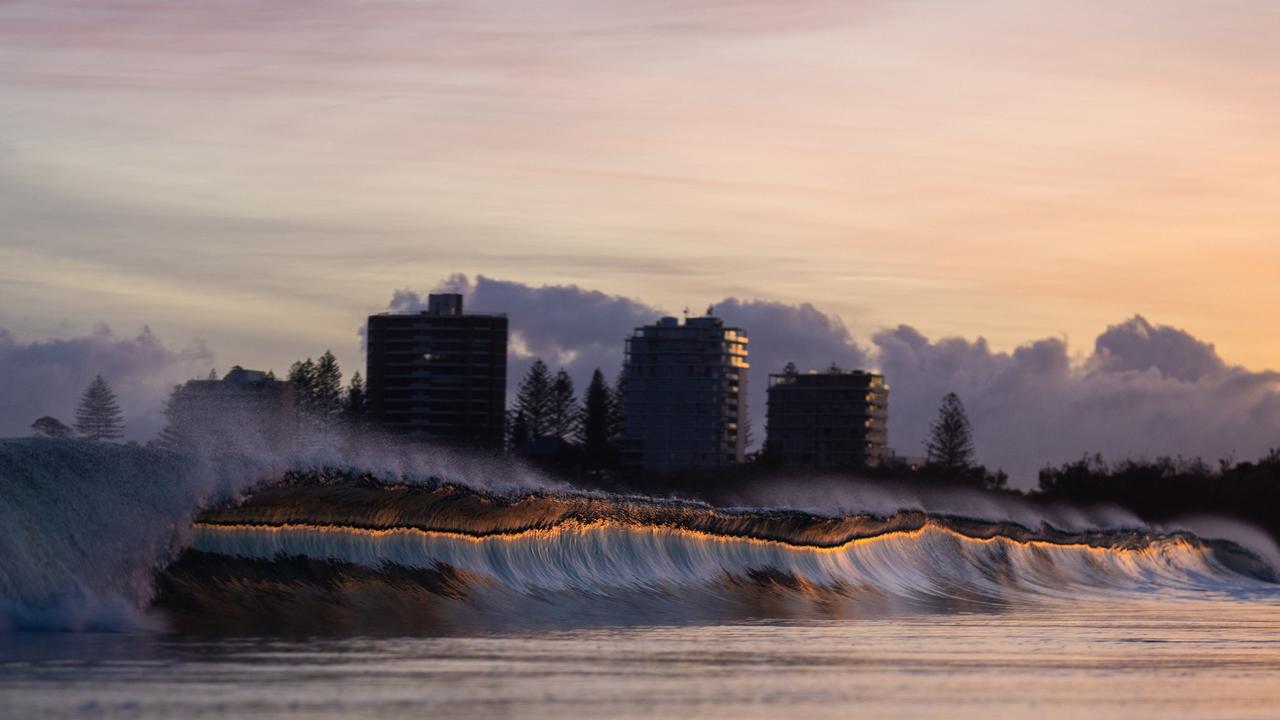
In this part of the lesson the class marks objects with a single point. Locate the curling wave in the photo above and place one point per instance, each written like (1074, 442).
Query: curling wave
(557, 555)
(100, 536)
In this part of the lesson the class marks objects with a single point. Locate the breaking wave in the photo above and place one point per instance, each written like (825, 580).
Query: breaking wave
(571, 558)
(103, 537)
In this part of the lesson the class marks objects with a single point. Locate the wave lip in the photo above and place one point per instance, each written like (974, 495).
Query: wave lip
(605, 545)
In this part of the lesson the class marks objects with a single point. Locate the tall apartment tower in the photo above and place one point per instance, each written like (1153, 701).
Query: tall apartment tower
(828, 419)
(440, 375)
(684, 395)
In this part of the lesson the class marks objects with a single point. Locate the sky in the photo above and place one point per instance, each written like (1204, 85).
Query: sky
(247, 181)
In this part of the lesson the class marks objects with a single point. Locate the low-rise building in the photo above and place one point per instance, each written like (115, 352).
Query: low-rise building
(243, 410)
(828, 419)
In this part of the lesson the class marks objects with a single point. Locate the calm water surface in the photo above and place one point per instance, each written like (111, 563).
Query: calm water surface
(1216, 659)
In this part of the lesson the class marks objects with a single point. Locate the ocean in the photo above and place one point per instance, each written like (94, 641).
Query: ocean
(1131, 659)
(132, 586)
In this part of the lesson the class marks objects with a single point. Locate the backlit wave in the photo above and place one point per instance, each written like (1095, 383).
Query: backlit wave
(562, 558)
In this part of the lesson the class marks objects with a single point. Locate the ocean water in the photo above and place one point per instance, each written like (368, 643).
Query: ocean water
(134, 586)
(1130, 659)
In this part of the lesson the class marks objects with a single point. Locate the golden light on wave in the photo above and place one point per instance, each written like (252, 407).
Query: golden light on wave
(574, 527)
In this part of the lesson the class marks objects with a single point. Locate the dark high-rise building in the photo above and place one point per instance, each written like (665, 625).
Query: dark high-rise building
(829, 419)
(684, 395)
(439, 375)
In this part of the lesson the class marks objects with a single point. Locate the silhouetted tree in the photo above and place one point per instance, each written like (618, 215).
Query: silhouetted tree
(563, 411)
(354, 410)
(519, 431)
(302, 378)
(50, 427)
(617, 418)
(533, 399)
(595, 433)
(213, 374)
(1165, 489)
(950, 444)
(178, 431)
(99, 417)
(302, 381)
(326, 389)
(790, 369)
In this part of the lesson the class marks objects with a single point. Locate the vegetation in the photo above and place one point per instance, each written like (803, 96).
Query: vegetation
(563, 413)
(1168, 489)
(532, 405)
(98, 417)
(354, 408)
(598, 433)
(950, 444)
(179, 428)
(550, 425)
(50, 427)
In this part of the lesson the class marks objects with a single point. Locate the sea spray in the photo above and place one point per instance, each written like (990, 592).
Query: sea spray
(86, 526)
(83, 528)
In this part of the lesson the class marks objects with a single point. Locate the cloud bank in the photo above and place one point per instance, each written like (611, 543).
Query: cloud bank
(1143, 390)
(47, 378)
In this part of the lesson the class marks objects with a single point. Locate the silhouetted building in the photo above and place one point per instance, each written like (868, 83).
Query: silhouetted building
(828, 419)
(684, 395)
(439, 375)
(243, 408)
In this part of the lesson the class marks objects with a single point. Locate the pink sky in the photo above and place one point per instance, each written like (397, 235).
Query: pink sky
(263, 174)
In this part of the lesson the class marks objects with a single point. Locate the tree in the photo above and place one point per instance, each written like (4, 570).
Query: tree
(326, 389)
(99, 417)
(595, 431)
(533, 399)
(617, 418)
(950, 444)
(50, 427)
(563, 414)
(790, 369)
(178, 432)
(302, 378)
(519, 431)
(354, 410)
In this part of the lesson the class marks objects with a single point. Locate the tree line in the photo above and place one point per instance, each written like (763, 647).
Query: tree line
(319, 398)
(585, 431)
(1169, 489)
(98, 416)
